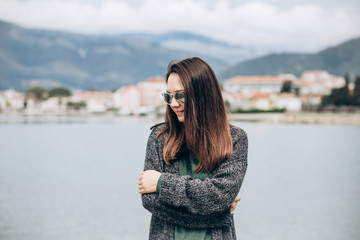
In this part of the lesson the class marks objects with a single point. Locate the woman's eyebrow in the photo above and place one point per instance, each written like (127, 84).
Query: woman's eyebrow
(182, 90)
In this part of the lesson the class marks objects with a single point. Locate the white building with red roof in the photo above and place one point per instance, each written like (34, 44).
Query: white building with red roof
(11, 100)
(262, 101)
(158, 83)
(141, 98)
(256, 92)
(236, 101)
(151, 90)
(96, 101)
(128, 99)
(318, 82)
(288, 101)
(53, 105)
(255, 84)
(315, 84)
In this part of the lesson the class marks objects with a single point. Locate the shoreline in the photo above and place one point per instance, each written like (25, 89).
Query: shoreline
(110, 117)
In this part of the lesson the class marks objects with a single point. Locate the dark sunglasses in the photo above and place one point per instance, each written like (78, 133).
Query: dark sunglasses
(167, 97)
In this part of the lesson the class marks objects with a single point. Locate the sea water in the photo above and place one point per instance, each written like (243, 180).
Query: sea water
(76, 179)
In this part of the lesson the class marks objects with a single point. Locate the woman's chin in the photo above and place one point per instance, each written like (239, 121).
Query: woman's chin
(181, 119)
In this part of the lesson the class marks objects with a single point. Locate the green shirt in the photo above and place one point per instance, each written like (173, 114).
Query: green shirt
(187, 165)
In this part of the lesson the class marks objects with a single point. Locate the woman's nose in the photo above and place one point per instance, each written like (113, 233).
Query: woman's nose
(174, 103)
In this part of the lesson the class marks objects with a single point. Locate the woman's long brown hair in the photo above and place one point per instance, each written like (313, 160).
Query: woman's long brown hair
(206, 130)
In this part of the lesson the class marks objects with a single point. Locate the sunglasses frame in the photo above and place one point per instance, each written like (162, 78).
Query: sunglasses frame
(179, 100)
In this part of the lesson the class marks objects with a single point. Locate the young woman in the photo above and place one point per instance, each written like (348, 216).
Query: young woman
(195, 161)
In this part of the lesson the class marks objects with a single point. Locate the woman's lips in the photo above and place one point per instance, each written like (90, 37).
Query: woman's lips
(179, 112)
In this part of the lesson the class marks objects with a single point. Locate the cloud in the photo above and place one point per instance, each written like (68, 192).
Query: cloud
(298, 27)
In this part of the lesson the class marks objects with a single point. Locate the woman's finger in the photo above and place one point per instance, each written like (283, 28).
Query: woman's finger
(233, 205)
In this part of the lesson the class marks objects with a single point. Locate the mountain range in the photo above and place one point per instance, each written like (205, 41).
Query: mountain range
(33, 57)
(338, 60)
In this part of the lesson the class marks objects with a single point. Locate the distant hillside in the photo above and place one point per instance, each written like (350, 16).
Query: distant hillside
(31, 57)
(338, 60)
(201, 45)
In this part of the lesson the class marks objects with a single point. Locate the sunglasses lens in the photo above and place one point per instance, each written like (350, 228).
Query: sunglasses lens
(180, 97)
(166, 97)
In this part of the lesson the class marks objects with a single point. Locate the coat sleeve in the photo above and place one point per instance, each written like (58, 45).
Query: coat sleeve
(213, 195)
(184, 212)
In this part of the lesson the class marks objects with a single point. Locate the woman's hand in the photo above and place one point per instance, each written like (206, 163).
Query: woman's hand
(233, 205)
(148, 181)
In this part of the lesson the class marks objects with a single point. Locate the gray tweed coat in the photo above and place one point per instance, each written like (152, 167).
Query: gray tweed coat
(191, 202)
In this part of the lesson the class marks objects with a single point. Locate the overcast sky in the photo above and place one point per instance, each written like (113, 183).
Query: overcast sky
(302, 26)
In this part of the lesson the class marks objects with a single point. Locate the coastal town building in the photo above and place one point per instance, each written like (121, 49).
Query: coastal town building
(256, 84)
(320, 82)
(50, 105)
(143, 98)
(128, 100)
(96, 101)
(237, 102)
(259, 93)
(11, 100)
(288, 101)
(313, 85)
(262, 101)
(151, 90)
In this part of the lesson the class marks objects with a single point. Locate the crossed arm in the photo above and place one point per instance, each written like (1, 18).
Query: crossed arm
(149, 179)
